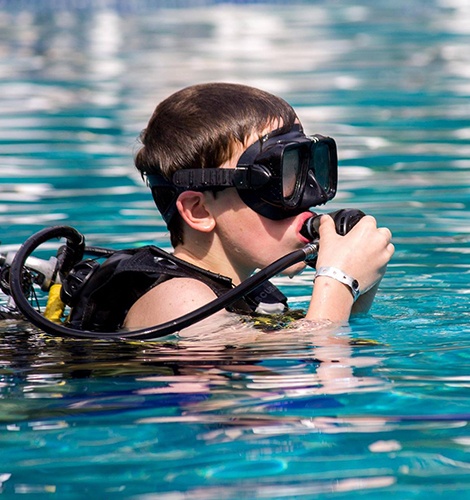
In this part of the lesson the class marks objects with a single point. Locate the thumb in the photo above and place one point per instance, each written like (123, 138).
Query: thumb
(327, 226)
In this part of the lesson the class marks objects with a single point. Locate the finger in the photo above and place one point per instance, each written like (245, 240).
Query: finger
(364, 225)
(326, 221)
(385, 231)
(327, 226)
(369, 220)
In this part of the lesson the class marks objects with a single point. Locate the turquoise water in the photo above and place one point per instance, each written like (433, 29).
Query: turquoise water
(286, 416)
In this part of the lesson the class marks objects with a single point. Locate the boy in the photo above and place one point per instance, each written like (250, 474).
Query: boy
(235, 198)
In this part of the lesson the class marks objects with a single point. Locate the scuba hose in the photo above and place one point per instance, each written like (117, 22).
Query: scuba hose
(72, 253)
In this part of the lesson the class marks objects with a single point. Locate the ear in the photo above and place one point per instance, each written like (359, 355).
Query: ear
(195, 211)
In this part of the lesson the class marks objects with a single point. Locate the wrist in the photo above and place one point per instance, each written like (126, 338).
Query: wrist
(338, 275)
(331, 301)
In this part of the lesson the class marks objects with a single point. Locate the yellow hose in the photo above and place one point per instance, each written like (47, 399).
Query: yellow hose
(55, 307)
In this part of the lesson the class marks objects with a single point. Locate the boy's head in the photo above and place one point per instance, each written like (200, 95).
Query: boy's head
(199, 127)
(197, 130)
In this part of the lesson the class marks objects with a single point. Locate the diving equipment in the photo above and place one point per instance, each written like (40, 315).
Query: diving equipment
(279, 176)
(71, 254)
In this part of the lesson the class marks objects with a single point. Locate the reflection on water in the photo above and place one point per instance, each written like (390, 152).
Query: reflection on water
(306, 417)
(380, 408)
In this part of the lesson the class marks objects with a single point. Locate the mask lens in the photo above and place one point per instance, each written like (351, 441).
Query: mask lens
(290, 174)
(320, 164)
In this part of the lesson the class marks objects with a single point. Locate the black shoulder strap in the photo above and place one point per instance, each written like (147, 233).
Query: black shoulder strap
(114, 286)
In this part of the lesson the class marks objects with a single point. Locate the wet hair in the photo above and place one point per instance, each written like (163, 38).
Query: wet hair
(199, 127)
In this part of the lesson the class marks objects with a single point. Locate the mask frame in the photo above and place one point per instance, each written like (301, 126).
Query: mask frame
(279, 176)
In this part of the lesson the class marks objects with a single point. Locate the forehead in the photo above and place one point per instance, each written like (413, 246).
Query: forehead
(274, 129)
(271, 130)
(272, 138)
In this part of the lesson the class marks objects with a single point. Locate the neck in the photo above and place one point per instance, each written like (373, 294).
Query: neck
(216, 260)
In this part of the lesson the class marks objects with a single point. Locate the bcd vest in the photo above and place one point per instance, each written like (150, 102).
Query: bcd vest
(100, 295)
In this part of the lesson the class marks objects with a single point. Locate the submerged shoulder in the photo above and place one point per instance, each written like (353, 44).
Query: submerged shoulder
(168, 301)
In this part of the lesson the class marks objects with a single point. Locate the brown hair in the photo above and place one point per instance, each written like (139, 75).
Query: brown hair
(198, 127)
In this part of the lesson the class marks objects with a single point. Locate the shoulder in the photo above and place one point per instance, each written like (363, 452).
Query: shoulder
(168, 301)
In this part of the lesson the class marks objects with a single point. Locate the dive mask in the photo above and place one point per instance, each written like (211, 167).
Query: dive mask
(279, 176)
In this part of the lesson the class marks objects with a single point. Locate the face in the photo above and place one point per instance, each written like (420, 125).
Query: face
(250, 240)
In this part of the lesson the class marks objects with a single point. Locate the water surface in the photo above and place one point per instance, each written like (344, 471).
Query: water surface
(376, 410)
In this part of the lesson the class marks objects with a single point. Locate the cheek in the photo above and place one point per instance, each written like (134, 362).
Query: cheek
(275, 230)
(246, 234)
(259, 232)
(245, 229)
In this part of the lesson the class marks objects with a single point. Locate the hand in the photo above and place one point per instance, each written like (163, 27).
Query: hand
(363, 253)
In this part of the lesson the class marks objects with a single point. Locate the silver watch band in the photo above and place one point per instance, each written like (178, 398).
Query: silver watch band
(338, 275)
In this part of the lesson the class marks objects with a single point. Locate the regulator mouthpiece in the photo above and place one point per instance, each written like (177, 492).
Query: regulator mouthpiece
(345, 219)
